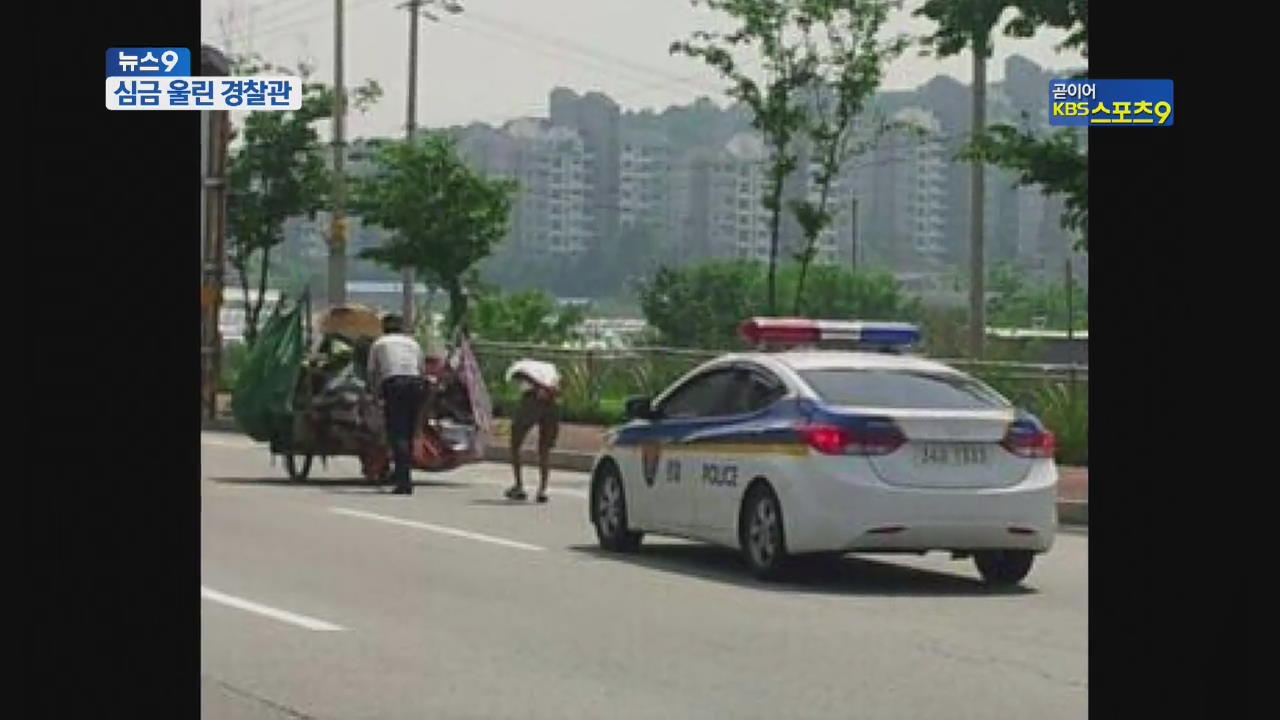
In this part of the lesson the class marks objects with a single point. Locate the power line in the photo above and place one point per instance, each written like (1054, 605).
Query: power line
(286, 9)
(560, 41)
(555, 52)
(300, 22)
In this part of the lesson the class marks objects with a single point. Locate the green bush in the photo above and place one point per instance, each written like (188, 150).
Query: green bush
(1061, 406)
(702, 305)
(1065, 410)
(595, 389)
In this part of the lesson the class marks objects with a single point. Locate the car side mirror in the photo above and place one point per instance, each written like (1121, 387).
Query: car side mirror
(640, 408)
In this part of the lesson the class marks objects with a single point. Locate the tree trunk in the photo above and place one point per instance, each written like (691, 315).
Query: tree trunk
(242, 270)
(255, 313)
(457, 306)
(977, 314)
(775, 223)
(809, 242)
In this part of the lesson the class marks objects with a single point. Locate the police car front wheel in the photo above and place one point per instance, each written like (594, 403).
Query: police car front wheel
(763, 543)
(609, 513)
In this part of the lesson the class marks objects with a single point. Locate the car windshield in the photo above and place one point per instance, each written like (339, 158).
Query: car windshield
(902, 389)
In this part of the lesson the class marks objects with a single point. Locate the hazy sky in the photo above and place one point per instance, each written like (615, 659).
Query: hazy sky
(499, 58)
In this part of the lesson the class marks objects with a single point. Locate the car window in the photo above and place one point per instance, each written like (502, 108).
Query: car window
(752, 390)
(703, 396)
(902, 389)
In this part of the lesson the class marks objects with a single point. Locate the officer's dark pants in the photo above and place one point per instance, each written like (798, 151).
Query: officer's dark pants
(404, 397)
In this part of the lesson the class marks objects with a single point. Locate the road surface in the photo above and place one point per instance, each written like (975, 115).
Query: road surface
(334, 600)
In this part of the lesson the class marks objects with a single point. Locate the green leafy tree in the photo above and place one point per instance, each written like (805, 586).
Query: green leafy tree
(443, 218)
(532, 316)
(702, 305)
(1019, 305)
(1058, 162)
(275, 172)
(961, 25)
(839, 293)
(843, 38)
(773, 94)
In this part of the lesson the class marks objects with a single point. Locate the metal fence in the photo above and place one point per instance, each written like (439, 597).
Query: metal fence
(596, 382)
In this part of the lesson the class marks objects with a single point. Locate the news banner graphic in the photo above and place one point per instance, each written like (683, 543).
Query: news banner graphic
(1092, 103)
(160, 78)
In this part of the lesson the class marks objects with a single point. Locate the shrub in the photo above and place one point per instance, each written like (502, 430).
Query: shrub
(1065, 410)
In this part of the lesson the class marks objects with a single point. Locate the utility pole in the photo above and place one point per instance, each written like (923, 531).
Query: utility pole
(853, 223)
(410, 130)
(411, 125)
(977, 202)
(1071, 345)
(1070, 309)
(338, 221)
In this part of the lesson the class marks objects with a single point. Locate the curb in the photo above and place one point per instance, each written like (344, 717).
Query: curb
(1070, 512)
(219, 425)
(1073, 512)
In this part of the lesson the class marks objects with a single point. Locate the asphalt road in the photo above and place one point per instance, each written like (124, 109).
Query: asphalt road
(334, 600)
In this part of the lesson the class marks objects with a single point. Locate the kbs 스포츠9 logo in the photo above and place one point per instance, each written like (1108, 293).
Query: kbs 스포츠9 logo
(1109, 103)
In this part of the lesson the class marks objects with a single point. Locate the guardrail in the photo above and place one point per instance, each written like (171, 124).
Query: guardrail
(591, 375)
(1039, 371)
(596, 383)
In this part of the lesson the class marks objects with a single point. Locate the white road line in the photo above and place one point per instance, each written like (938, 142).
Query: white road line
(437, 528)
(282, 615)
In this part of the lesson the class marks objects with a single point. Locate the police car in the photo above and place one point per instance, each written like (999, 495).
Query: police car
(798, 449)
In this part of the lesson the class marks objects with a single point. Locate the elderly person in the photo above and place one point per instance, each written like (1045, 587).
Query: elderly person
(539, 384)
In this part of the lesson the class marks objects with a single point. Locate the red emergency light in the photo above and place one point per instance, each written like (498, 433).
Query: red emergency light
(791, 331)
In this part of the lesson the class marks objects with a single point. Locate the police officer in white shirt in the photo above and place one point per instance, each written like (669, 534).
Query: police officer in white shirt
(396, 374)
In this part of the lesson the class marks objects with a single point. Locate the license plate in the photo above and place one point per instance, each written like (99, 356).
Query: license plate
(951, 454)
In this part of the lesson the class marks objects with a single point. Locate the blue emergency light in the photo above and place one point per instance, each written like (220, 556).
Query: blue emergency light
(784, 332)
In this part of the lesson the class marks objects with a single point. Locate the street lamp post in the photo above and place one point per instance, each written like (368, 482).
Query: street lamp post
(415, 7)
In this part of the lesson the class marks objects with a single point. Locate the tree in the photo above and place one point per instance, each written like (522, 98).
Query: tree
(277, 172)
(775, 102)
(1058, 162)
(531, 316)
(848, 67)
(967, 24)
(702, 305)
(1017, 305)
(443, 217)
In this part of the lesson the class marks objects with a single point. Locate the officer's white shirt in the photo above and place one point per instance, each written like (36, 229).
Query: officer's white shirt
(394, 355)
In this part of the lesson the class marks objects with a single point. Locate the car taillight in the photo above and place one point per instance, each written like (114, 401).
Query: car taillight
(1029, 442)
(834, 440)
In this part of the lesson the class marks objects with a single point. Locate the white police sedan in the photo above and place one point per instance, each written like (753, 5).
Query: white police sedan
(807, 450)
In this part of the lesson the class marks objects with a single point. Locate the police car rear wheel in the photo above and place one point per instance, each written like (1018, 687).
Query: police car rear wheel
(1003, 567)
(763, 543)
(609, 514)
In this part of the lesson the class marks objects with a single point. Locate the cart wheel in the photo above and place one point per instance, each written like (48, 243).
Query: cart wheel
(298, 472)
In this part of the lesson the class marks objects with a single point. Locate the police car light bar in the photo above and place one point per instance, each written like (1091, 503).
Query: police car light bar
(804, 331)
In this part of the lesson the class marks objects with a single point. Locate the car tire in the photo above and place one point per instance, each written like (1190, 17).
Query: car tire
(609, 512)
(298, 469)
(761, 536)
(1003, 568)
